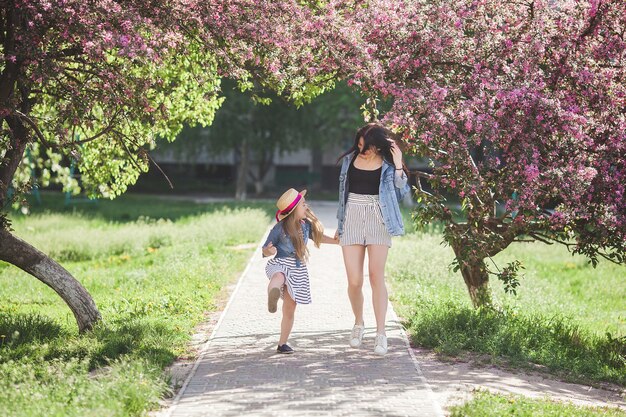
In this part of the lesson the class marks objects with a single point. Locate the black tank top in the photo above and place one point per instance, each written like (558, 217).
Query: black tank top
(362, 181)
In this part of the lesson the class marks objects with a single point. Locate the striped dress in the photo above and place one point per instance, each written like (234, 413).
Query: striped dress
(296, 272)
(296, 278)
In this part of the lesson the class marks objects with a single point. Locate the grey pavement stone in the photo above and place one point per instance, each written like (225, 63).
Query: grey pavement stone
(238, 372)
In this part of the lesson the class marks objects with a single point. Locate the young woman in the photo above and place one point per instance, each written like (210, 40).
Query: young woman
(287, 270)
(372, 182)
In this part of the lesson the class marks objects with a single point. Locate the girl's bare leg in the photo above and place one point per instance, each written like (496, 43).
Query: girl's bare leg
(277, 281)
(273, 291)
(289, 309)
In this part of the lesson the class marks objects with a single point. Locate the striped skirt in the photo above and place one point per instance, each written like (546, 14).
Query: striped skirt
(296, 278)
(364, 223)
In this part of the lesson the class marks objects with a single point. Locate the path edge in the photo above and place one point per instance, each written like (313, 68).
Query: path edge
(420, 374)
(205, 347)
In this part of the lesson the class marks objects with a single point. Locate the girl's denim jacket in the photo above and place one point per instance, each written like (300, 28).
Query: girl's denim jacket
(391, 191)
(282, 242)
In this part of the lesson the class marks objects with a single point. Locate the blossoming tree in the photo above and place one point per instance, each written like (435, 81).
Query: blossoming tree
(94, 83)
(520, 106)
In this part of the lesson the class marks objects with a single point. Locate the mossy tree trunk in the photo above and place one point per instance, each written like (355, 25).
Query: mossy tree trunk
(476, 279)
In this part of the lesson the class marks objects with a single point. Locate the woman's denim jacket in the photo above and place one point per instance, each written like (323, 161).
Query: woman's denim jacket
(391, 191)
(282, 242)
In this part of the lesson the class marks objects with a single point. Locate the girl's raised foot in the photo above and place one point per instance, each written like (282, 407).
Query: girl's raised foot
(272, 299)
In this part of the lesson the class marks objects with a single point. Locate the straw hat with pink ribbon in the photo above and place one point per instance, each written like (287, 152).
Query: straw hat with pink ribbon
(288, 202)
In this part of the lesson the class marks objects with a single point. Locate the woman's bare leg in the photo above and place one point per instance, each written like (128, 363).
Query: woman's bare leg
(377, 255)
(353, 258)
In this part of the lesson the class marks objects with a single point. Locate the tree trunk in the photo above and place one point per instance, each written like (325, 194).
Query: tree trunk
(12, 158)
(259, 187)
(257, 180)
(265, 164)
(477, 280)
(19, 253)
(242, 172)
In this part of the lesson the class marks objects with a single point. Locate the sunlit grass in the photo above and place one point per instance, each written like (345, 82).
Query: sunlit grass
(152, 278)
(485, 404)
(566, 316)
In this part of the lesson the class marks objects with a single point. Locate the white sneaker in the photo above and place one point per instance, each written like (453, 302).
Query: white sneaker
(380, 343)
(356, 337)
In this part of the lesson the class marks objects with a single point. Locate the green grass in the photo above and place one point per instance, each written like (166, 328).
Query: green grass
(130, 207)
(485, 404)
(154, 269)
(567, 317)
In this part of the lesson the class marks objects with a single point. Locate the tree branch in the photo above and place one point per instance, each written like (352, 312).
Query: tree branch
(67, 52)
(34, 126)
(422, 174)
(593, 22)
(159, 168)
(104, 131)
(452, 64)
(120, 139)
(546, 239)
(608, 258)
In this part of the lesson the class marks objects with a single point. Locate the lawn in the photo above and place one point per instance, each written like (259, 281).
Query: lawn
(567, 317)
(485, 404)
(154, 268)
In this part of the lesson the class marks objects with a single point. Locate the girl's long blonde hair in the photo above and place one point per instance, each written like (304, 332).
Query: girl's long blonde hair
(293, 229)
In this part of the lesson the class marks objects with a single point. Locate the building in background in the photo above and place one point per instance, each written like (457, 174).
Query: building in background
(259, 150)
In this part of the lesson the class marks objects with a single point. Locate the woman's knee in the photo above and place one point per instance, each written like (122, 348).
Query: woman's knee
(377, 280)
(355, 285)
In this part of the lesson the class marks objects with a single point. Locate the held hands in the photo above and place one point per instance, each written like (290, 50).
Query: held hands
(396, 153)
(269, 250)
(330, 240)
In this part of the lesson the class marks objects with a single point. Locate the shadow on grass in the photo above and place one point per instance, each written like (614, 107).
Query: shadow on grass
(18, 329)
(33, 337)
(141, 338)
(522, 340)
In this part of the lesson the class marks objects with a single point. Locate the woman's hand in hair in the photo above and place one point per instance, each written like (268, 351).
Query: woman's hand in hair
(396, 153)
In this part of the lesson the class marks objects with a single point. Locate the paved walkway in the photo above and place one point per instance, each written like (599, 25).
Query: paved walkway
(239, 374)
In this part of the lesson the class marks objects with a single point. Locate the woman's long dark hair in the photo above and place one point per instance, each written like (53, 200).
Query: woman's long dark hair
(376, 136)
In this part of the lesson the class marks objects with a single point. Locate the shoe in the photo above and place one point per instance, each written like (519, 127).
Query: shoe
(272, 299)
(380, 345)
(284, 349)
(356, 337)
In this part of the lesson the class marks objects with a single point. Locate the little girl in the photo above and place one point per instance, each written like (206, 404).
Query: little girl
(287, 240)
